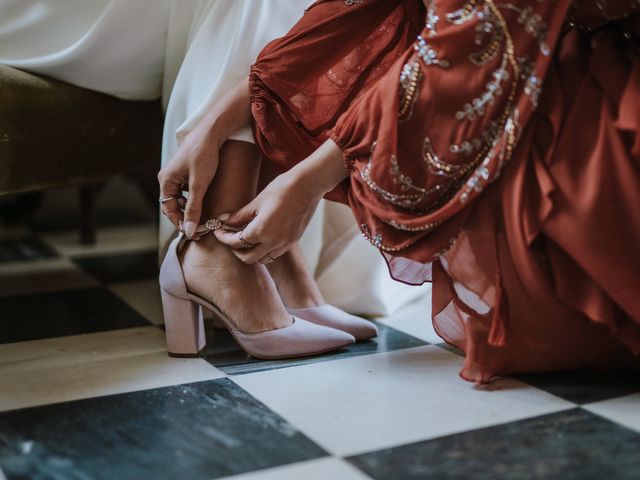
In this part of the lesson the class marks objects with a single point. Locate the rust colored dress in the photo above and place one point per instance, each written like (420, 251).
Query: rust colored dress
(494, 150)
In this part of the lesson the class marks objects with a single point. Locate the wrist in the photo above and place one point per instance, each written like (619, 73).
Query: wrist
(232, 113)
(321, 171)
(205, 136)
(216, 131)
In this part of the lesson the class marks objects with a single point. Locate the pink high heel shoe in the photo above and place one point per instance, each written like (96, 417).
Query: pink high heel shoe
(183, 318)
(333, 317)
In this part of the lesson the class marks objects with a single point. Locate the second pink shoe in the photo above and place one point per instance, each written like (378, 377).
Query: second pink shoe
(333, 317)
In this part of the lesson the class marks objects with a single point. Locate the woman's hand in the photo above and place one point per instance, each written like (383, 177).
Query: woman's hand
(272, 222)
(194, 165)
(270, 225)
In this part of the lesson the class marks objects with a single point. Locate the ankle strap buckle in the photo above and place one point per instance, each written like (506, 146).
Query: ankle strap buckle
(210, 226)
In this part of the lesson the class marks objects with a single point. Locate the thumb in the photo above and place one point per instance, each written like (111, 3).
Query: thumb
(193, 209)
(240, 217)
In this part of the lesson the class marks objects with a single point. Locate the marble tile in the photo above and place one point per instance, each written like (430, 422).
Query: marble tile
(624, 410)
(327, 468)
(24, 247)
(78, 349)
(571, 445)
(223, 351)
(94, 378)
(451, 348)
(133, 238)
(586, 386)
(198, 431)
(46, 315)
(121, 267)
(415, 320)
(52, 274)
(377, 401)
(143, 296)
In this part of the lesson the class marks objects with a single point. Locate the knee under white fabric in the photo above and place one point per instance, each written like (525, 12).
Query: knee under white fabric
(190, 52)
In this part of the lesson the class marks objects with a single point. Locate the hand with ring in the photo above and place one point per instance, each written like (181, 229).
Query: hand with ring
(244, 244)
(270, 225)
(194, 165)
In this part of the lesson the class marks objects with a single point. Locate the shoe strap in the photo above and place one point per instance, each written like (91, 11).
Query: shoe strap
(210, 226)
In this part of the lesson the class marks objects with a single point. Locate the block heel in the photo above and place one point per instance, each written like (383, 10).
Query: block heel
(184, 326)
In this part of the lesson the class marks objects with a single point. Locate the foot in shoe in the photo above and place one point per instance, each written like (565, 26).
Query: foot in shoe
(282, 337)
(333, 317)
(301, 294)
(294, 282)
(245, 292)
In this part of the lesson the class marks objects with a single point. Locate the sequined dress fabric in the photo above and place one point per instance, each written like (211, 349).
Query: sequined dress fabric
(493, 149)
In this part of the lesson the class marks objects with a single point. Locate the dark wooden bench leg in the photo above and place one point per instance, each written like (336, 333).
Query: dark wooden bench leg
(88, 196)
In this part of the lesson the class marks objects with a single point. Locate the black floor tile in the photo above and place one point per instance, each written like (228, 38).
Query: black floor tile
(198, 431)
(570, 445)
(122, 267)
(45, 315)
(586, 386)
(223, 352)
(24, 247)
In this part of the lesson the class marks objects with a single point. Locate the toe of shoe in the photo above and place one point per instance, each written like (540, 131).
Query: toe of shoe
(325, 337)
(341, 338)
(364, 330)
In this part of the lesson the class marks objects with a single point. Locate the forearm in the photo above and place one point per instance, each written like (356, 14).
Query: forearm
(321, 171)
(230, 114)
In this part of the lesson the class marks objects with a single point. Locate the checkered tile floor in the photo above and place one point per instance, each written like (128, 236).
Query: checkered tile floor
(88, 392)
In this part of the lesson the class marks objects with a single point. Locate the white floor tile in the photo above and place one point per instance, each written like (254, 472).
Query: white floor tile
(129, 239)
(623, 410)
(83, 366)
(143, 296)
(377, 401)
(321, 469)
(36, 276)
(72, 349)
(414, 319)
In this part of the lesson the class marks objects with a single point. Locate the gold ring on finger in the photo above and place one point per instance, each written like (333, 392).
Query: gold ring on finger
(244, 243)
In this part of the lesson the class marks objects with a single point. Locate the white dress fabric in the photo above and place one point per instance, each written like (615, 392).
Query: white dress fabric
(191, 52)
(112, 46)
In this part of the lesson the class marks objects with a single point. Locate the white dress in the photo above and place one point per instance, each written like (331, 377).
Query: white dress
(112, 46)
(191, 52)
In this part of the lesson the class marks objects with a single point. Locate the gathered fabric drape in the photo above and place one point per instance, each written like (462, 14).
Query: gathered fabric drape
(493, 149)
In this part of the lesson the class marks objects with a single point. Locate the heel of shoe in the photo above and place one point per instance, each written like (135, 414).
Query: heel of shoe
(184, 326)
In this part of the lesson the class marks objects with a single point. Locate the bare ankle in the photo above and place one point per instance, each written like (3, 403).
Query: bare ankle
(296, 286)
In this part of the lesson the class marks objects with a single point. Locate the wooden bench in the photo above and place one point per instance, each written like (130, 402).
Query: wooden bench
(53, 134)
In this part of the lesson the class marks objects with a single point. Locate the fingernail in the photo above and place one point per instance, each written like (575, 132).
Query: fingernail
(223, 216)
(190, 229)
